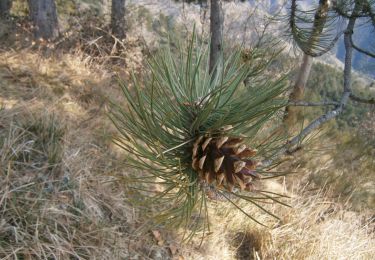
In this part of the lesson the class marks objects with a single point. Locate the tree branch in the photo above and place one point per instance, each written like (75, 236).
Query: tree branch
(370, 54)
(345, 14)
(367, 8)
(365, 12)
(344, 98)
(312, 104)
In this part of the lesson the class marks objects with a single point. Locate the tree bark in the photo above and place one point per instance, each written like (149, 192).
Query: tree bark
(43, 14)
(5, 6)
(118, 22)
(291, 112)
(216, 29)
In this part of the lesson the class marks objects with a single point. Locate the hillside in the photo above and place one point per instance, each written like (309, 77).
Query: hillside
(63, 190)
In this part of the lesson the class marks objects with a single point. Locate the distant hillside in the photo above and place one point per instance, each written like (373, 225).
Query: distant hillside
(364, 37)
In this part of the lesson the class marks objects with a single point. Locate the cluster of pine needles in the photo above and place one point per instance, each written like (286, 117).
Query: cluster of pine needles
(177, 110)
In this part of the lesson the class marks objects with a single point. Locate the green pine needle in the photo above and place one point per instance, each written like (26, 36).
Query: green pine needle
(173, 104)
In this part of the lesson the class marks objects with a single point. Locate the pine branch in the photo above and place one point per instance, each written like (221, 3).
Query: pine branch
(370, 54)
(327, 48)
(312, 104)
(179, 117)
(344, 97)
(311, 41)
(366, 11)
(348, 16)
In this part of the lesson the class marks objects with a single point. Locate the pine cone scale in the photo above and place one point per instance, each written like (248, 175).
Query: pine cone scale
(247, 153)
(224, 160)
(221, 141)
(201, 162)
(205, 143)
(218, 162)
(238, 166)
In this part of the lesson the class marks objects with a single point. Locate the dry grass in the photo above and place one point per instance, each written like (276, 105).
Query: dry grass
(46, 210)
(61, 198)
(314, 228)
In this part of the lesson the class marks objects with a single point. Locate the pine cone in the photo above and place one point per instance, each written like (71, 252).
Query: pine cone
(225, 160)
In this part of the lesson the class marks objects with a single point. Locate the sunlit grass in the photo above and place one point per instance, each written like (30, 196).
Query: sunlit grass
(61, 194)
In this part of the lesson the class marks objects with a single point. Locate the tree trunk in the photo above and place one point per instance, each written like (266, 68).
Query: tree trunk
(297, 94)
(216, 29)
(5, 6)
(43, 14)
(291, 112)
(118, 18)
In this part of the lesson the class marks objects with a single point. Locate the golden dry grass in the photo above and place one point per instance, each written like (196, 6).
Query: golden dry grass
(314, 228)
(59, 196)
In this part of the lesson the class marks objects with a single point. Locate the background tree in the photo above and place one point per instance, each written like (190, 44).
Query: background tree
(43, 14)
(298, 90)
(5, 6)
(216, 30)
(118, 23)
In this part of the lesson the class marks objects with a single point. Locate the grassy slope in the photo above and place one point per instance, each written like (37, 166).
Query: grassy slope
(61, 193)
(62, 196)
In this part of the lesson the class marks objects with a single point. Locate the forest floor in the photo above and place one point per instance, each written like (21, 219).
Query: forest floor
(62, 190)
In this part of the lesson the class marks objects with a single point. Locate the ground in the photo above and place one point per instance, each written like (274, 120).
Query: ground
(63, 191)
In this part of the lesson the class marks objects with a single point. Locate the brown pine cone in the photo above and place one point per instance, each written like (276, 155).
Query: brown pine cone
(225, 160)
